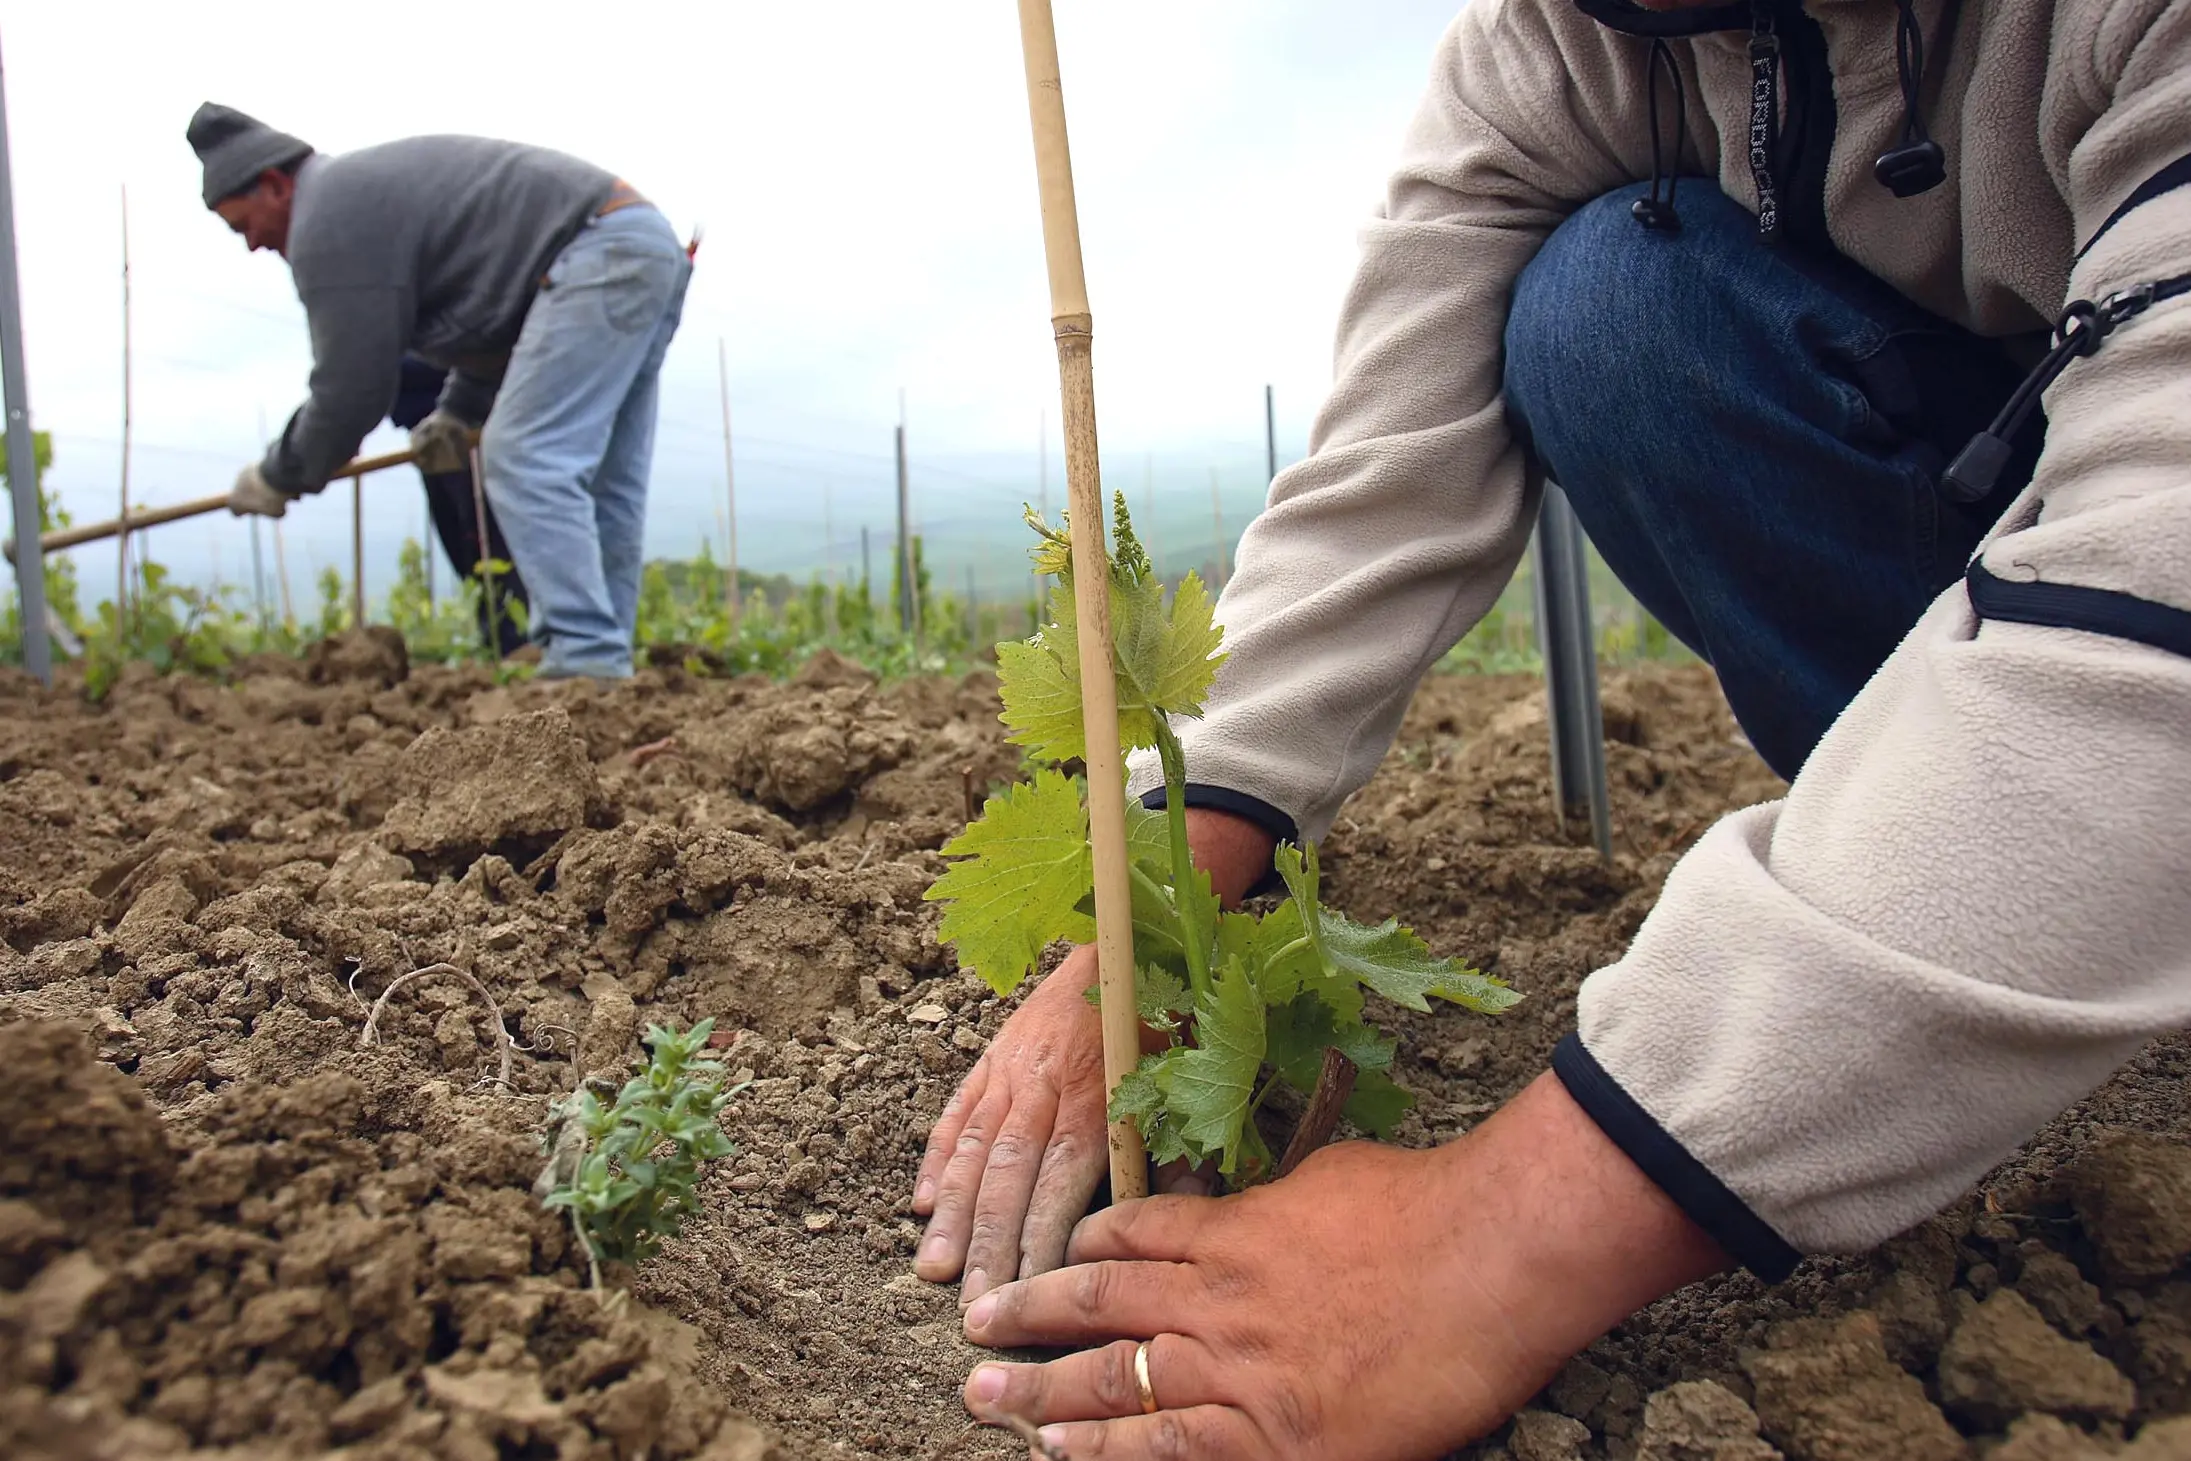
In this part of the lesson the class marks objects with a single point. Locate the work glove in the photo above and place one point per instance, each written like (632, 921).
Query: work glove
(252, 494)
(442, 443)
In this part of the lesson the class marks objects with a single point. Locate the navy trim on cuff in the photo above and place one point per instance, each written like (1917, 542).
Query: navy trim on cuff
(1239, 804)
(1745, 1236)
(2073, 606)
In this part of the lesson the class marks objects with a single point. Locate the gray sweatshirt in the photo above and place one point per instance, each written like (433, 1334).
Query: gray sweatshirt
(431, 245)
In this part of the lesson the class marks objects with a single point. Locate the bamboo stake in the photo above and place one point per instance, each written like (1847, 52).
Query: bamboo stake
(121, 569)
(1074, 328)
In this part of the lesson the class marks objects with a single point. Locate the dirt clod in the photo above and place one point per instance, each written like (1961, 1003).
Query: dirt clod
(82, 1146)
(1826, 1391)
(1700, 1420)
(2005, 1359)
(1544, 1435)
(2133, 1194)
(510, 787)
(375, 654)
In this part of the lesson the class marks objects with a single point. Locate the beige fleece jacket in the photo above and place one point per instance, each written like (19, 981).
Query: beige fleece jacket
(1975, 901)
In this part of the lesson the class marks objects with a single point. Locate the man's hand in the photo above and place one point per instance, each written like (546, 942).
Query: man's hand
(1021, 1148)
(441, 443)
(252, 494)
(1377, 1305)
(1023, 1145)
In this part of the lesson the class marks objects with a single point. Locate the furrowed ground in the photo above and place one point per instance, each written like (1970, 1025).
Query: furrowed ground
(226, 1227)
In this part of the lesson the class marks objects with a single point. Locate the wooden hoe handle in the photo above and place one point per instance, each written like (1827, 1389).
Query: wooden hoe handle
(152, 517)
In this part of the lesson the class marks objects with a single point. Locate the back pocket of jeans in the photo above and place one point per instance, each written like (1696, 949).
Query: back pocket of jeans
(634, 287)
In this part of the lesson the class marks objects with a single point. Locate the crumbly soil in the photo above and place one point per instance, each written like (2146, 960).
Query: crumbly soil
(232, 1224)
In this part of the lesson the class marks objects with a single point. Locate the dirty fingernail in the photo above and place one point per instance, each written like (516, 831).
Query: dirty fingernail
(985, 1309)
(935, 1247)
(988, 1384)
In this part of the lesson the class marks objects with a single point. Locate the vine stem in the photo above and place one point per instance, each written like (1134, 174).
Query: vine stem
(370, 1035)
(593, 1259)
(1197, 938)
(1334, 1085)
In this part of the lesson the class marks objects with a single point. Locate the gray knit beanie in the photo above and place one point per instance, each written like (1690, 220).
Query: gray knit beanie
(236, 149)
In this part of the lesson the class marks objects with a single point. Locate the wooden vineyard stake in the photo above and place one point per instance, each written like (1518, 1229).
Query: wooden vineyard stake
(357, 552)
(485, 542)
(1074, 329)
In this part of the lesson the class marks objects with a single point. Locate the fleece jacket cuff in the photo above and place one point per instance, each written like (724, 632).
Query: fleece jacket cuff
(1746, 1237)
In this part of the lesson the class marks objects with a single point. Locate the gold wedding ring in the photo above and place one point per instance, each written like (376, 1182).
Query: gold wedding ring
(1141, 1378)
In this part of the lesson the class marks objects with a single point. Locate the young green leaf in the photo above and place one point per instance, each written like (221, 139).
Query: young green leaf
(1304, 1027)
(1038, 680)
(1053, 550)
(1140, 1099)
(1387, 958)
(1286, 963)
(1167, 655)
(1160, 997)
(1378, 1103)
(1024, 868)
(1400, 966)
(1207, 1087)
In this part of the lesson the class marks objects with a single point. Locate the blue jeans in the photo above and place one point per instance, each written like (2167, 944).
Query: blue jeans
(568, 445)
(1753, 440)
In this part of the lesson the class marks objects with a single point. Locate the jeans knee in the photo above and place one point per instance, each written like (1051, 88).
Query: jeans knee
(1607, 304)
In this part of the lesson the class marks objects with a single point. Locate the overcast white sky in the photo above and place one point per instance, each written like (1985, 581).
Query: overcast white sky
(865, 179)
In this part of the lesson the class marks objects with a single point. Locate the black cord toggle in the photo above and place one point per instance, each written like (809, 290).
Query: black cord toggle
(1916, 164)
(1912, 168)
(2083, 327)
(1655, 212)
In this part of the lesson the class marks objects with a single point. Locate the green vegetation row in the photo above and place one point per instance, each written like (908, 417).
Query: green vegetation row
(684, 616)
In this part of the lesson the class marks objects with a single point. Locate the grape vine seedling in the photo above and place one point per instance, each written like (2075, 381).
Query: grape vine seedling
(627, 1176)
(1248, 1003)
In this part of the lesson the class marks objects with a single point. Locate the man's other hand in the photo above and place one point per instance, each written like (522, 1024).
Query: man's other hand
(1023, 1146)
(441, 443)
(1021, 1149)
(252, 495)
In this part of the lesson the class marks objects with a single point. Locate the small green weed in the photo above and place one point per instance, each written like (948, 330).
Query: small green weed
(627, 1176)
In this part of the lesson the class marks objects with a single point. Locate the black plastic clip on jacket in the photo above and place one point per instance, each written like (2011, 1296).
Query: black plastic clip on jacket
(2083, 327)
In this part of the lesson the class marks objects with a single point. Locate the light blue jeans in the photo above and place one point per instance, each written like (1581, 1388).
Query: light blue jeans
(567, 448)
